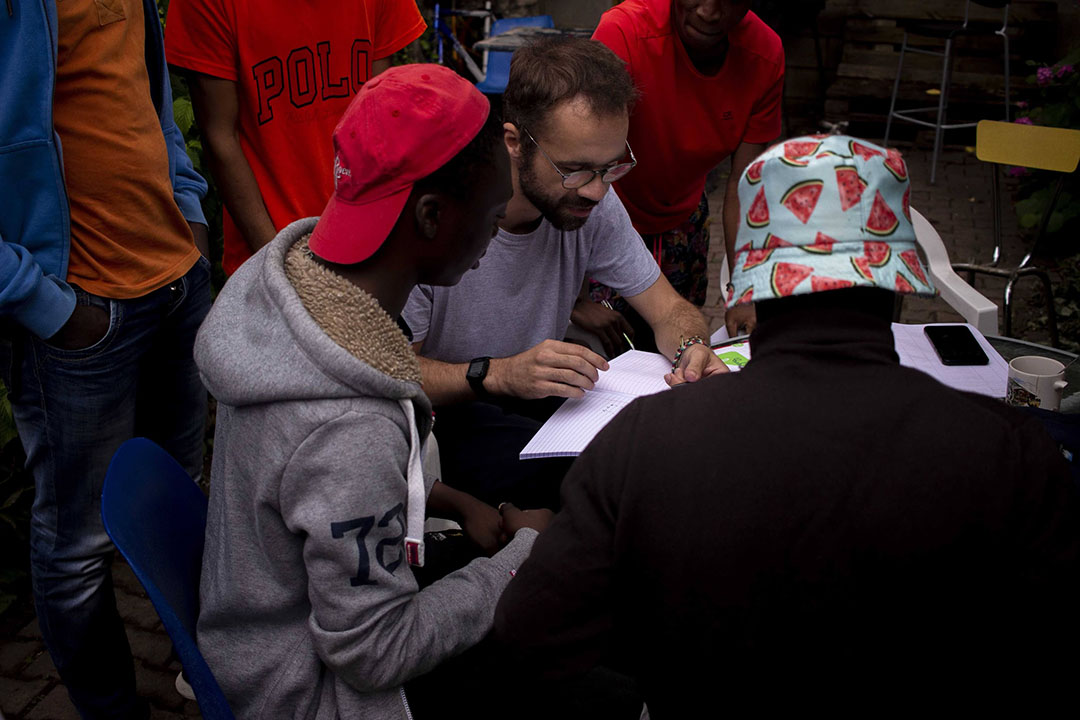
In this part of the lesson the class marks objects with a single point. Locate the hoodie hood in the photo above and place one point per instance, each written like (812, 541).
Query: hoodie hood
(286, 328)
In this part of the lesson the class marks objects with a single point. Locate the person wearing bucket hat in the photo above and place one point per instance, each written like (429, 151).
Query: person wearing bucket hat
(831, 516)
(318, 495)
(824, 213)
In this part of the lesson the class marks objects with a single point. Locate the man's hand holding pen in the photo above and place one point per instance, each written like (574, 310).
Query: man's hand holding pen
(696, 363)
(551, 369)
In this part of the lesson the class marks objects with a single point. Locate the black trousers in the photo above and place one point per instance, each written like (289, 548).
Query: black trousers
(479, 444)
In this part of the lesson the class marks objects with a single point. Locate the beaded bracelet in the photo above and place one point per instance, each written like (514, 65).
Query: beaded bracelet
(695, 340)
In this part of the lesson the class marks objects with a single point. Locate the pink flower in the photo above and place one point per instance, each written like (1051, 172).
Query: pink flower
(1024, 120)
(1023, 103)
(1064, 70)
(1044, 75)
(1016, 172)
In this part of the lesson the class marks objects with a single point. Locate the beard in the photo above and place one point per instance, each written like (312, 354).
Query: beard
(556, 210)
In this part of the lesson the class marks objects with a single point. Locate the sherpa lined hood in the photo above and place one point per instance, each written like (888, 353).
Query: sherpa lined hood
(262, 343)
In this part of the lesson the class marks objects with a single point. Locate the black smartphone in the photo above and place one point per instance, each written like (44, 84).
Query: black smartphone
(955, 345)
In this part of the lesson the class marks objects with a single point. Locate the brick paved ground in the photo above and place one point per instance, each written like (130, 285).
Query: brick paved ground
(31, 690)
(959, 207)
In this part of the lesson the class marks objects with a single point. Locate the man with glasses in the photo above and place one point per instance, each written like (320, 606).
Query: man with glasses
(491, 349)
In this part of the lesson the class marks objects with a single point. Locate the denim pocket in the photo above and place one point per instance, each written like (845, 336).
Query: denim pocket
(112, 307)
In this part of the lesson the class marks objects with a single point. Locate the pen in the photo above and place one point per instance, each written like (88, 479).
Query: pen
(606, 304)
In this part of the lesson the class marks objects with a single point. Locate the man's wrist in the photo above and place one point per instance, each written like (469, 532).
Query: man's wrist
(685, 349)
(475, 374)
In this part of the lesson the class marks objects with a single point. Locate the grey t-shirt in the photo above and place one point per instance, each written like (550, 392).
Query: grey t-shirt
(525, 287)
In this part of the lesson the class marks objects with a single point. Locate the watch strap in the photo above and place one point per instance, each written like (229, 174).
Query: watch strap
(478, 370)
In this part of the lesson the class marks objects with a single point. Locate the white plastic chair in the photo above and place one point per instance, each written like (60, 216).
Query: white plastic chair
(966, 300)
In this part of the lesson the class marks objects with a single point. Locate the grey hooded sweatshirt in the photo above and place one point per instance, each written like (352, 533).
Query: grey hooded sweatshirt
(309, 608)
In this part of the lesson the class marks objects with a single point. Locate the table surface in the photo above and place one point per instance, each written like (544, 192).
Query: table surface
(518, 37)
(1012, 348)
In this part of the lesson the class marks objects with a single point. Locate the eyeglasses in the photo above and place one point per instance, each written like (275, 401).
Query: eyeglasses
(581, 178)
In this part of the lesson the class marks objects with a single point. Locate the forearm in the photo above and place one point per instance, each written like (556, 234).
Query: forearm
(445, 383)
(240, 191)
(446, 502)
(683, 321)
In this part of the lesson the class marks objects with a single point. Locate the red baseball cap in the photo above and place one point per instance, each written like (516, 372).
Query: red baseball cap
(403, 125)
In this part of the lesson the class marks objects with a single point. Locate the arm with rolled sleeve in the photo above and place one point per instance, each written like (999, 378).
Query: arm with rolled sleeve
(344, 491)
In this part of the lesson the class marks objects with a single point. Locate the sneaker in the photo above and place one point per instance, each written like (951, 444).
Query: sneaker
(183, 687)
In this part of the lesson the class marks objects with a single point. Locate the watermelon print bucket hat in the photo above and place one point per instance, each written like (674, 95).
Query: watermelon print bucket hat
(825, 212)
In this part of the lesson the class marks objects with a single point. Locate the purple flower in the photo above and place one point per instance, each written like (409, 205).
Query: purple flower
(1024, 120)
(1016, 172)
(1064, 70)
(1044, 75)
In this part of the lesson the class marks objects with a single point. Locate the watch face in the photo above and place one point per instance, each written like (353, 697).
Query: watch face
(478, 369)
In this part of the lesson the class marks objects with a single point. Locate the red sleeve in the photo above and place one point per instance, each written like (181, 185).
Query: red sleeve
(397, 23)
(200, 36)
(611, 33)
(764, 125)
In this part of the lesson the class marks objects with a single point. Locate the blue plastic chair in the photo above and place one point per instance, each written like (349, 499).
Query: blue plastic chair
(156, 517)
(498, 62)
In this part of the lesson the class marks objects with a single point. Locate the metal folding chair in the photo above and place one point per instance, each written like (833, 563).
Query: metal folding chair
(948, 32)
(1038, 148)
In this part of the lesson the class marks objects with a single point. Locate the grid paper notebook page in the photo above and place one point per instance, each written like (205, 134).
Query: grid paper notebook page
(573, 426)
(578, 420)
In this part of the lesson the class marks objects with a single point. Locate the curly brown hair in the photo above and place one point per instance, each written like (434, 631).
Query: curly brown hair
(552, 70)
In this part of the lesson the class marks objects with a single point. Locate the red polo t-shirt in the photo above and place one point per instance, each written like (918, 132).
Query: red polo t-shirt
(685, 123)
(297, 65)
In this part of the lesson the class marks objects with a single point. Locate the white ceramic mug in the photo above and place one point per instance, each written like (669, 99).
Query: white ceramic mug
(1035, 381)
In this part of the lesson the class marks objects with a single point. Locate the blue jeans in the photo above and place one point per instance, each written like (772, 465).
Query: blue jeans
(73, 409)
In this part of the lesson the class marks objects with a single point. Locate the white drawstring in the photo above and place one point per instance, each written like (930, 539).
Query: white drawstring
(414, 511)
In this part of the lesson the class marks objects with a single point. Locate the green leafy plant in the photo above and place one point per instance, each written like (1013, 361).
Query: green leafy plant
(1053, 100)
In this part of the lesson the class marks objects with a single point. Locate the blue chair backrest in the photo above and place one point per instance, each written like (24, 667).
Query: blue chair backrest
(156, 517)
(498, 62)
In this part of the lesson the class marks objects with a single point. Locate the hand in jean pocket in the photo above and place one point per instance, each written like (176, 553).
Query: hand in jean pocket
(86, 327)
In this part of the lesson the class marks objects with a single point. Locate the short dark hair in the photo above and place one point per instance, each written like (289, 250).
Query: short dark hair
(551, 70)
(455, 177)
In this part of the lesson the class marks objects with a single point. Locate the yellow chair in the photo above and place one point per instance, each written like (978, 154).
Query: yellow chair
(1038, 148)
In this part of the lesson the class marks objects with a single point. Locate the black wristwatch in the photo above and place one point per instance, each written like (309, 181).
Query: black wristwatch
(478, 370)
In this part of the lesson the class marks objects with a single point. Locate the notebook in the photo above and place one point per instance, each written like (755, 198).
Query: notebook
(578, 420)
(635, 373)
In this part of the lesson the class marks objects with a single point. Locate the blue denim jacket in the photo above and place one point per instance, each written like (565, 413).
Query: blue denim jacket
(34, 219)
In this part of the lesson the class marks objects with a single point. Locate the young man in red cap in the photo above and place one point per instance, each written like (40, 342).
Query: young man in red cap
(309, 604)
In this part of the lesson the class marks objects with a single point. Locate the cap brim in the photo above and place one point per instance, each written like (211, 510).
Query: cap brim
(349, 233)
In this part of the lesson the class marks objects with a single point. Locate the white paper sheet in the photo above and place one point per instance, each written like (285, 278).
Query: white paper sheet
(576, 422)
(915, 351)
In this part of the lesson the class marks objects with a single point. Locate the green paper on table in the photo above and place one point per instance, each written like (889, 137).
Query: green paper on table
(735, 355)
